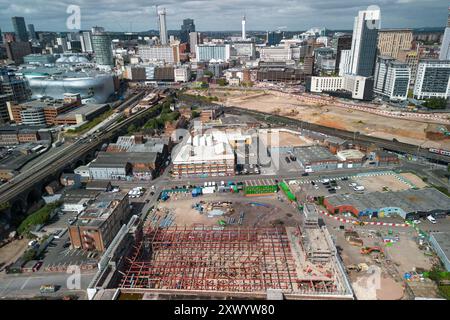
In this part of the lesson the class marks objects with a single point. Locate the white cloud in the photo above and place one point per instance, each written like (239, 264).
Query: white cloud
(139, 15)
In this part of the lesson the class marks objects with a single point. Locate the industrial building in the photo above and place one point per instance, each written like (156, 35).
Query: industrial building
(99, 223)
(440, 241)
(12, 135)
(408, 204)
(125, 165)
(316, 157)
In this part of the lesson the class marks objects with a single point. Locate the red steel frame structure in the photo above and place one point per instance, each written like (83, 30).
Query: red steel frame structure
(232, 259)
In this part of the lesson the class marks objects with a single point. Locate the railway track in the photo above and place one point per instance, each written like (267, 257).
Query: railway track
(58, 161)
(389, 145)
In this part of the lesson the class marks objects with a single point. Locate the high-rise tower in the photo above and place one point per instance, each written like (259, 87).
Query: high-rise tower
(243, 28)
(445, 47)
(162, 26)
(20, 28)
(364, 42)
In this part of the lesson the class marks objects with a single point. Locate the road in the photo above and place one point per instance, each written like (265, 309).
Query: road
(27, 285)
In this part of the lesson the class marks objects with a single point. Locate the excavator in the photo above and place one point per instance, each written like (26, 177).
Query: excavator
(369, 250)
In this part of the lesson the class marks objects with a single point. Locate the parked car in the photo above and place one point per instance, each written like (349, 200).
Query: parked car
(431, 219)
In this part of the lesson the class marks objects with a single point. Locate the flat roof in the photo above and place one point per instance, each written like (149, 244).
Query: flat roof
(311, 154)
(101, 209)
(350, 154)
(86, 109)
(106, 159)
(443, 240)
(410, 201)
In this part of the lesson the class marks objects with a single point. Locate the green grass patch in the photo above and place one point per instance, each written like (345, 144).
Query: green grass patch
(40, 216)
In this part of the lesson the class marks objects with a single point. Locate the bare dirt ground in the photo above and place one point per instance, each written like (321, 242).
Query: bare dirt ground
(408, 131)
(377, 183)
(284, 139)
(418, 182)
(408, 256)
(12, 251)
(260, 211)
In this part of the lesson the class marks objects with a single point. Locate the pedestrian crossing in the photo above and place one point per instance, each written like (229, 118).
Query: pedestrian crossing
(260, 182)
(360, 175)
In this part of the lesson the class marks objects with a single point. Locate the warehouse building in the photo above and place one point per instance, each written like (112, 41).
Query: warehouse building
(408, 204)
(440, 241)
(316, 157)
(125, 165)
(350, 158)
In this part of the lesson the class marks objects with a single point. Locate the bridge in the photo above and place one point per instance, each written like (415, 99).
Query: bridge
(24, 190)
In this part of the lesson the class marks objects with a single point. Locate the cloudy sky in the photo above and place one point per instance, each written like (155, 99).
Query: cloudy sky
(139, 15)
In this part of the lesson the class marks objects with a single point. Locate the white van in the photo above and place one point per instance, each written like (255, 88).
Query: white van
(431, 219)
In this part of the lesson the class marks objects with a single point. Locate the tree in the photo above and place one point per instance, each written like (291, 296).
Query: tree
(132, 128)
(435, 103)
(222, 82)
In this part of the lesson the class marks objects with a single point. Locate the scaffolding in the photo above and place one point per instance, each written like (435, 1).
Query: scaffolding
(199, 258)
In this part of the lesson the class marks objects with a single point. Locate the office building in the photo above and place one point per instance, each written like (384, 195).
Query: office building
(274, 38)
(432, 79)
(344, 42)
(32, 32)
(99, 223)
(391, 42)
(182, 74)
(411, 58)
(62, 43)
(43, 111)
(275, 54)
(445, 46)
(160, 53)
(163, 38)
(345, 62)
(348, 86)
(20, 29)
(195, 39)
(391, 78)
(244, 49)
(208, 52)
(86, 42)
(101, 44)
(187, 27)
(1, 37)
(16, 51)
(364, 43)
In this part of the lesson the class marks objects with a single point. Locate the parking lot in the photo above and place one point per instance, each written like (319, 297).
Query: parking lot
(59, 255)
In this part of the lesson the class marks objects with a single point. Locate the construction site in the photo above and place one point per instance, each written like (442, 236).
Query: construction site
(235, 262)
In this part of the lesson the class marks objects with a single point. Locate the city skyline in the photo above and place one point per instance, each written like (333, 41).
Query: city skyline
(261, 15)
